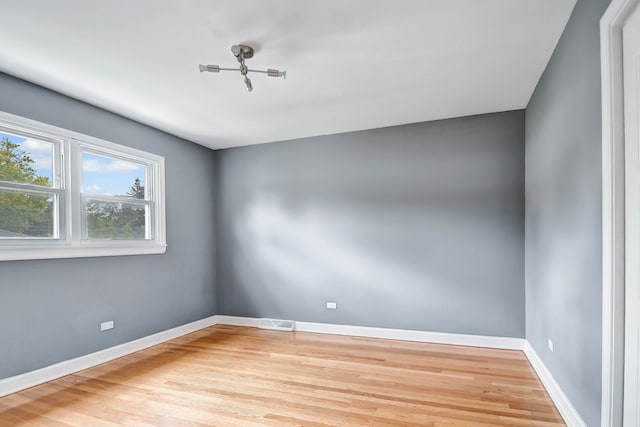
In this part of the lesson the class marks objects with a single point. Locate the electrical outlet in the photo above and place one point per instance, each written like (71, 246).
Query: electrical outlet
(550, 344)
(332, 305)
(106, 325)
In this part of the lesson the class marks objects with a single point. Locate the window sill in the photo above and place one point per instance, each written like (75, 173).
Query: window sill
(16, 253)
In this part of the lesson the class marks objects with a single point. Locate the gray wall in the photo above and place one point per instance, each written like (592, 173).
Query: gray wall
(563, 212)
(51, 310)
(416, 227)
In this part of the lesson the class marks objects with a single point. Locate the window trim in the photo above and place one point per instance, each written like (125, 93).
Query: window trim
(68, 149)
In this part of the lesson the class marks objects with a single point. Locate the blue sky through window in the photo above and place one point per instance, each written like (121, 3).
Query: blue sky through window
(104, 175)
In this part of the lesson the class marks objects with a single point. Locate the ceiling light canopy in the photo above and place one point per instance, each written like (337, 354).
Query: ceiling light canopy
(243, 52)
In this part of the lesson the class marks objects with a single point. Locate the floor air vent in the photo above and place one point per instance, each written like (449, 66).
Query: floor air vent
(280, 325)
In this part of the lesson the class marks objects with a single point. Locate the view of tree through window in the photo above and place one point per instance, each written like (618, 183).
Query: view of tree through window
(117, 220)
(26, 212)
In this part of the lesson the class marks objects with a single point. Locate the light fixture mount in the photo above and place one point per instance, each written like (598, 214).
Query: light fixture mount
(243, 52)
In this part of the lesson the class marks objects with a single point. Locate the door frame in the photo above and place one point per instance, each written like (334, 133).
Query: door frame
(613, 210)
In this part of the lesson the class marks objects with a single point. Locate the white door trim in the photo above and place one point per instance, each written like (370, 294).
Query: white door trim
(613, 243)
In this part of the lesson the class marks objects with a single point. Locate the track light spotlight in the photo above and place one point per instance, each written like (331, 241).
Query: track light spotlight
(210, 68)
(276, 73)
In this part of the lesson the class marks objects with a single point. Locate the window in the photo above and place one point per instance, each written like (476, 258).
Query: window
(107, 214)
(63, 194)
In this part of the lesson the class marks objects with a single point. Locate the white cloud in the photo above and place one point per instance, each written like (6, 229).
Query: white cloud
(114, 166)
(40, 152)
(34, 147)
(94, 189)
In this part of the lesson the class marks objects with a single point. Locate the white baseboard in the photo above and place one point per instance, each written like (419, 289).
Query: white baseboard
(566, 409)
(394, 334)
(412, 335)
(237, 321)
(49, 373)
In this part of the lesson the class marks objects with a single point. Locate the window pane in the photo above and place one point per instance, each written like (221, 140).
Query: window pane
(115, 220)
(25, 160)
(103, 175)
(24, 214)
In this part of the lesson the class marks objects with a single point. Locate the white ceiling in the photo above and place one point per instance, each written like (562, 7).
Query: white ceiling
(351, 64)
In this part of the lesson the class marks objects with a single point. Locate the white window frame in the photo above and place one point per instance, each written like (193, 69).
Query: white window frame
(69, 240)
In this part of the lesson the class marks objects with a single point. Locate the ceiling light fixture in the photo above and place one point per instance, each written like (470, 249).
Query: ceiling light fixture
(242, 52)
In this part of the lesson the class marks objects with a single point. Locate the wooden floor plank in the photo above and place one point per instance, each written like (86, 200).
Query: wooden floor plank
(238, 376)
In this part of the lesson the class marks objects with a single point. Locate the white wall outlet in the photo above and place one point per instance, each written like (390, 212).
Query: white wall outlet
(332, 305)
(106, 325)
(550, 344)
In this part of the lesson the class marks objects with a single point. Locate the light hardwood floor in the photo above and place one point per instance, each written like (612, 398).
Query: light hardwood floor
(238, 376)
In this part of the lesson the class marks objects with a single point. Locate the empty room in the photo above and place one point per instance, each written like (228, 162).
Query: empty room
(320, 213)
